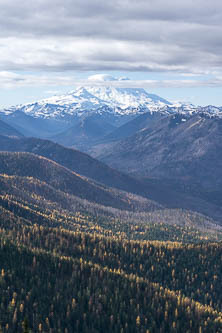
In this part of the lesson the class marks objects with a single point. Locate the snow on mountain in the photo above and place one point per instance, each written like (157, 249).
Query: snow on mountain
(190, 109)
(212, 110)
(125, 98)
(120, 101)
(100, 97)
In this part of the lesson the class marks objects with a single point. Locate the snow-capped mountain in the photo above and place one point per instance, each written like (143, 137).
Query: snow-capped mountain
(93, 99)
(95, 112)
(101, 96)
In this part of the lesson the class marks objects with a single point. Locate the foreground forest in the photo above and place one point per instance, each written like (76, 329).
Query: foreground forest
(54, 280)
(118, 263)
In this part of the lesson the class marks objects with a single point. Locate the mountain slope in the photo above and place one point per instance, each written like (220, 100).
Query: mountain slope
(84, 132)
(36, 190)
(65, 180)
(33, 126)
(128, 129)
(164, 192)
(176, 147)
(74, 160)
(183, 153)
(90, 282)
(8, 130)
(125, 98)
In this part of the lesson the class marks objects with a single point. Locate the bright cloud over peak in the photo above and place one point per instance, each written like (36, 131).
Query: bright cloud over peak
(105, 78)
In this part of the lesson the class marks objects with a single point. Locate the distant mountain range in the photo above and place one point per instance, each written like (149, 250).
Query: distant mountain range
(100, 100)
(82, 116)
(87, 115)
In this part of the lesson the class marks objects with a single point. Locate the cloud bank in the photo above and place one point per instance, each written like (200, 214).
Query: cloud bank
(123, 35)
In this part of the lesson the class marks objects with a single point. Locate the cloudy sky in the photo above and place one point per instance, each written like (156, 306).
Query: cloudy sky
(171, 48)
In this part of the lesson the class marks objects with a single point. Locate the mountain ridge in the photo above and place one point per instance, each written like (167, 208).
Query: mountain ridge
(166, 193)
(175, 149)
(177, 137)
(25, 164)
(74, 160)
(109, 99)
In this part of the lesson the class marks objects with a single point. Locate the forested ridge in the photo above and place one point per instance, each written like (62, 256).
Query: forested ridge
(68, 281)
(71, 265)
(43, 205)
(169, 193)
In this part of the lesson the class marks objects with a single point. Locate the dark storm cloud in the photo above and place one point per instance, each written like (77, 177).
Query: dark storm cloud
(141, 35)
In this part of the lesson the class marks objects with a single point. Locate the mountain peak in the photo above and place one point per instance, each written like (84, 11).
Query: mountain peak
(94, 97)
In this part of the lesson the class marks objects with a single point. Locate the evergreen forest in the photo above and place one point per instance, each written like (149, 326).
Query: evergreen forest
(68, 264)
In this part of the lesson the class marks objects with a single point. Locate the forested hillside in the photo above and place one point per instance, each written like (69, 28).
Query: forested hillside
(62, 179)
(53, 280)
(36, 188)
(76, 256)
(167, 193)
